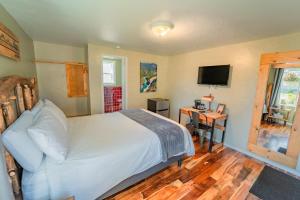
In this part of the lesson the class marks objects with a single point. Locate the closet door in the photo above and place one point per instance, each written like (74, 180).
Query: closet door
(77, 80)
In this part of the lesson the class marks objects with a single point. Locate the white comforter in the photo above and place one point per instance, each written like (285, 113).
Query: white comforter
(105, 149)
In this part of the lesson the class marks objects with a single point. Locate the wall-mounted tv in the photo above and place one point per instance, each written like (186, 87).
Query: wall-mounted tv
(214, 75)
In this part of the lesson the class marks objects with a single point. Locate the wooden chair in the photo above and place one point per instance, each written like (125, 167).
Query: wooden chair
(283, 115)
(201, 125)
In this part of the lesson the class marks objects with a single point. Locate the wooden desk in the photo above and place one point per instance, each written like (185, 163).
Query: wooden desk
(212, 117)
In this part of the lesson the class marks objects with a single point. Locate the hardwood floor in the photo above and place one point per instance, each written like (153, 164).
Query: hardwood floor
(223, 174)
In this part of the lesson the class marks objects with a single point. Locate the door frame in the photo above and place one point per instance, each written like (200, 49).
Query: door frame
(124, 78)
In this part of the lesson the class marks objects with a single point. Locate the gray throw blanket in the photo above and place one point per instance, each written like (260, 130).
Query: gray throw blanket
(170, 135)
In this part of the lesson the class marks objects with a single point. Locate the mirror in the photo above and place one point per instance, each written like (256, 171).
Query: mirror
(274, 132)
(279, 109)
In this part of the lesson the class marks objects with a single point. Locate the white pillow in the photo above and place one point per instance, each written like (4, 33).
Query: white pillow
(50, 135)
(37, 108)
(57, 112)
(20, 145)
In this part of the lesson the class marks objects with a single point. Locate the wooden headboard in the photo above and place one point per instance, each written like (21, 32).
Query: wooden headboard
(17, 94)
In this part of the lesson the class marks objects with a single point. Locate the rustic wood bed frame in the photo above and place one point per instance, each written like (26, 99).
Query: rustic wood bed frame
(17, 94)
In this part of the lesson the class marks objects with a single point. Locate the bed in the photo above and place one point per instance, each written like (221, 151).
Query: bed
(106, 154)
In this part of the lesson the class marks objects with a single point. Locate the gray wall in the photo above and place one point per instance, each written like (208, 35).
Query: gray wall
(24, 67)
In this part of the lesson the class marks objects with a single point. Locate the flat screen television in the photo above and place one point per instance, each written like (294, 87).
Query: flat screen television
(214, 75)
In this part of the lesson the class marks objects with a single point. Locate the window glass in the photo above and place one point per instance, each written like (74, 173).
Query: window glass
(289, 88)
(109, 77)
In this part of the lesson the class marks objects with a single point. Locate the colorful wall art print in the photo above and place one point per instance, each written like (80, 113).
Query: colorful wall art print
(148, 77)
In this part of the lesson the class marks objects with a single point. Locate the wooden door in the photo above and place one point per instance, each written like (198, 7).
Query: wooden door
(77, 80)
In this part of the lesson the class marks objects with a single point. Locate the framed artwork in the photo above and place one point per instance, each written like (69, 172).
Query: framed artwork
(9, 43)
(220, 108)
(148, 77)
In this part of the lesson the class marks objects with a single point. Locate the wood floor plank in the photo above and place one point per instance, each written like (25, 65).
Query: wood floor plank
(218, 188)
(156, 185)
(134, 196)
(243, 190)
(166, 191)
(196, 161)
(230, 179)
(199, 188)
(181, 191)
(252, 197)
(225, 193)
(225, 166)
(222, 174)
(205, 164)
(147, 183)
(185, 175)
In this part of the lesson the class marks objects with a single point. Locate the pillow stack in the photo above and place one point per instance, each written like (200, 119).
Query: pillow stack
(49, 131)
(43, 130)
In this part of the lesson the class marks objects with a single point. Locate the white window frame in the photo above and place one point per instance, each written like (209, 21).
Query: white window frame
(114, 72)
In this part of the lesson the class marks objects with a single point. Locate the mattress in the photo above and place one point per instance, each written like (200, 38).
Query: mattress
(104, 150)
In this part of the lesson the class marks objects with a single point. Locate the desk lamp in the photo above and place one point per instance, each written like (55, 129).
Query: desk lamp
(209, 99)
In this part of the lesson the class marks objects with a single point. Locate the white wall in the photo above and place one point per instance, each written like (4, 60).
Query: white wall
(239, 97)
(135, 98)
(52, 77)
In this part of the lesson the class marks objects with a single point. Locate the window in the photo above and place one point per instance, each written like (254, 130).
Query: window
(289, 88)
(109, 73)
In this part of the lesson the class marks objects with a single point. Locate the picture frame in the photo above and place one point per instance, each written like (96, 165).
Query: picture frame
(220, 108)
(148, 77)
(9, 43)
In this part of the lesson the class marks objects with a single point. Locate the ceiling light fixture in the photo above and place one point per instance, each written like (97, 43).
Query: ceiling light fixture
(161, 28)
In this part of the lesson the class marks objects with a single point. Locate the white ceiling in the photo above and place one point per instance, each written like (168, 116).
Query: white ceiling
(198, 23)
